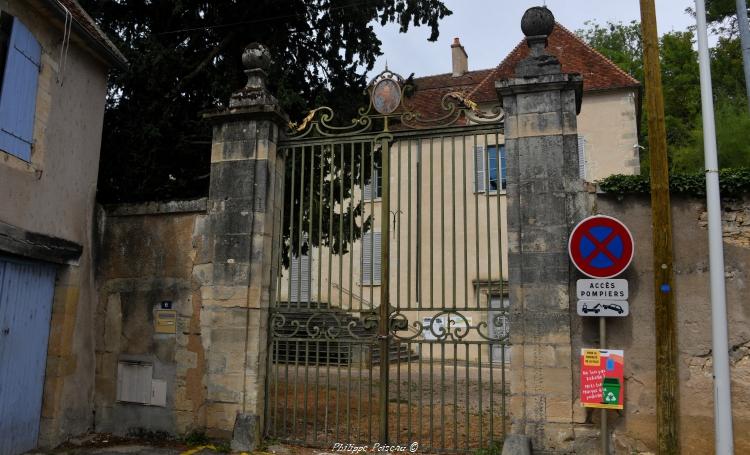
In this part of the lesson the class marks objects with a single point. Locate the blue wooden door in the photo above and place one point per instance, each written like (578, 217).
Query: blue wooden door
(26, 290)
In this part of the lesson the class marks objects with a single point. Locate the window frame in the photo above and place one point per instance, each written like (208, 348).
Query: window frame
(5, 19)
(370, 267)
(486, 169)
(376, 181)
(582, 161)
(303, 280)
(18, 114)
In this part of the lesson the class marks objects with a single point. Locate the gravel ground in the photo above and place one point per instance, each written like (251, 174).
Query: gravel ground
(452, 409)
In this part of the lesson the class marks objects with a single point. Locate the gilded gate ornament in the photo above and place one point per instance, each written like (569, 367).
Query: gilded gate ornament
(389, 109)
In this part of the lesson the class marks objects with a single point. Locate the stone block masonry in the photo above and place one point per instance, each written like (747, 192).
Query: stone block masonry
(545, 199)
(151, 253)
(213, 259)
(244, 225)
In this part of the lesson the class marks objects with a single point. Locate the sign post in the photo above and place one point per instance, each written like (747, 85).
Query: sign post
(601, 247)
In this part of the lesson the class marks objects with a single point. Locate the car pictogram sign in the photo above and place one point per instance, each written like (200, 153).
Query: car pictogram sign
(601, 247)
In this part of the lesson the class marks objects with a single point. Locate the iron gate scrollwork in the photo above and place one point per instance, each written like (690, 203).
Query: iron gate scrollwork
(383, 328)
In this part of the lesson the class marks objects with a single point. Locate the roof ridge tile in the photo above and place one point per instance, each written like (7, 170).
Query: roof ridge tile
(592, 49)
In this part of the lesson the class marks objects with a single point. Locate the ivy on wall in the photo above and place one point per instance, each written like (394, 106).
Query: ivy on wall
(733, 182)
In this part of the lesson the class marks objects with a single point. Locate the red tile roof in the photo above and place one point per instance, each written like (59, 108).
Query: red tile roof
(599, 73)
(431, 89)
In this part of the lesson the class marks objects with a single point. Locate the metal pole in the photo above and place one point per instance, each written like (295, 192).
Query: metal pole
(667, 407)
(603, 431)
(722, 395)
(744, 28)
(384, 313)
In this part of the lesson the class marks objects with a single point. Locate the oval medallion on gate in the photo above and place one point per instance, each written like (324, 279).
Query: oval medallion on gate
(386, 96)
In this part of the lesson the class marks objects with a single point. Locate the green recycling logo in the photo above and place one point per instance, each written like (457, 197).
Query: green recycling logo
(610, 390)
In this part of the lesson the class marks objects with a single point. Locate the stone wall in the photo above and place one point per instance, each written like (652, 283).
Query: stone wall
(151, 253)
(634, 428)
(212, 262)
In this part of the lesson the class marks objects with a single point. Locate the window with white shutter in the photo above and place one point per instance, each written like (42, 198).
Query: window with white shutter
(479, 176)
(582, 157)
(488, 172)
(20, 75)
(371, 258)
(299, 279)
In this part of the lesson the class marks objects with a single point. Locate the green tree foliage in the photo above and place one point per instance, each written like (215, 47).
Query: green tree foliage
(185, 58)
(681, 87)
(721, 16)
(727, 74)
(719, 10)
(619, 42)
(732, 126)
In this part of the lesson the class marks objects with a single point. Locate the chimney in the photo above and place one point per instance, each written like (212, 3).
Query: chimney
(460, 59)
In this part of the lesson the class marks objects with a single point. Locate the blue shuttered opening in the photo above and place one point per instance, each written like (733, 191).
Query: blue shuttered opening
(26, 291)
(18, 94)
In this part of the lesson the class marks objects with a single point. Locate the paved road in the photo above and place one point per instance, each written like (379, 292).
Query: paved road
(116, 450)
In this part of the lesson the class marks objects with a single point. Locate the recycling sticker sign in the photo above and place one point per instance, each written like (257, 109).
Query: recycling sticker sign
(602, 378)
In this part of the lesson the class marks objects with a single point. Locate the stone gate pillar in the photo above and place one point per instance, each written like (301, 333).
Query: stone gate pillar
(244, 219)
(541, 104)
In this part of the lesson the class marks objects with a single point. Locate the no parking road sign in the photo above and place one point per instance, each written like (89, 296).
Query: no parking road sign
(601, 247)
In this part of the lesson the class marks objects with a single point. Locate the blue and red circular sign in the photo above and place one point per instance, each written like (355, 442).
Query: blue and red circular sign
(601, 247)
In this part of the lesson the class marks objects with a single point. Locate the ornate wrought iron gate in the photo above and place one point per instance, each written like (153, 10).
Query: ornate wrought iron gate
(389, 324)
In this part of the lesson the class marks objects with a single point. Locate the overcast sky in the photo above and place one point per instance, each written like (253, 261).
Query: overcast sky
(489, 29)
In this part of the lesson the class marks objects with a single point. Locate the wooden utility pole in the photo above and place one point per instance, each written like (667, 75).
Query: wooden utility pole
(666, 339)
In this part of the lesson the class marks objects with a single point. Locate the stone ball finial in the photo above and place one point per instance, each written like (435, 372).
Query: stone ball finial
(537, 21)
(256, 56)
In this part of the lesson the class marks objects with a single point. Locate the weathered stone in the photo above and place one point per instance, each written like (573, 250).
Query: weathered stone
(236, 178)
(536, 102)
(220, 418)
(246, 177)
(517, 444)
(542, 207)
(226, 388)
(246, 434)
(113, 323)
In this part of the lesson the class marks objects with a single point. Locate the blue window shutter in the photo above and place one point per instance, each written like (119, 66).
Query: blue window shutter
(18, 97)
